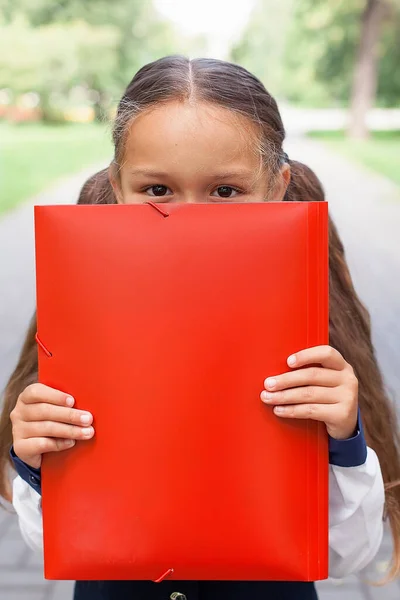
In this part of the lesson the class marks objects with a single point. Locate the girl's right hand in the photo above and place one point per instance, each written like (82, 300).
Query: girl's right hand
(43, 420)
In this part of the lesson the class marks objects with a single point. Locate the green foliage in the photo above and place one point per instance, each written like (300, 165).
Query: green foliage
(304, 50)
(389, 66)
(143, 36)
(320, 51)
(52, 47)
(262, 47)
(52, 59)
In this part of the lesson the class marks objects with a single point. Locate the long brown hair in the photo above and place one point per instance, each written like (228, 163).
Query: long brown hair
(232, 87)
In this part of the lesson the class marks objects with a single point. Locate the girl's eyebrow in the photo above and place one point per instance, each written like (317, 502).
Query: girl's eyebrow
(148, 173)
(240, 174)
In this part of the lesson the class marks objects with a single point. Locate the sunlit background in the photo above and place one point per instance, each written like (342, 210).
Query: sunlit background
(332, 65)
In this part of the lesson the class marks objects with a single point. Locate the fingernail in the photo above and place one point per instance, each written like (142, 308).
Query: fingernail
(270, 382)
(279, 410)
(85, 419)
(87, 431)
(266, 396)
(70, 401)
(291, 360)
(70, 442)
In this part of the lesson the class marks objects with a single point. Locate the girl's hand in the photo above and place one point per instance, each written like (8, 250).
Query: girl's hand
(43, 420)
(326, 393)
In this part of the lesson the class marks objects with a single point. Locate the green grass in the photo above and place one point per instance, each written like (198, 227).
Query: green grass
(33, 156)
(380, 153)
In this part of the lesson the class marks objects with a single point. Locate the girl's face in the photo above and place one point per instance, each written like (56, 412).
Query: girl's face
(184, 152)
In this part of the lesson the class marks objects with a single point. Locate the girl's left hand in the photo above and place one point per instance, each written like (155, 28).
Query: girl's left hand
(326, 393)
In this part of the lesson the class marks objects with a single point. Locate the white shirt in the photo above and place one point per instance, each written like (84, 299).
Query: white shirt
(356, 504)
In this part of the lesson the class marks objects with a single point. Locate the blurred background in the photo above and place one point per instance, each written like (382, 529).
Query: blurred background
(332, 65)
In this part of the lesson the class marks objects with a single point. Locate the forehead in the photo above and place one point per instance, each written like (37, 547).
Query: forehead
(196, 133)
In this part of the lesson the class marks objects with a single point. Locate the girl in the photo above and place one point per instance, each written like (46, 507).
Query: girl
(208, 131)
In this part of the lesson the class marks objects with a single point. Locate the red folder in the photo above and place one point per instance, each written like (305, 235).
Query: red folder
(164, 321)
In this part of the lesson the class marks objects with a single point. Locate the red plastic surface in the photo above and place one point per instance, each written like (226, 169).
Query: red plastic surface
(165, 329)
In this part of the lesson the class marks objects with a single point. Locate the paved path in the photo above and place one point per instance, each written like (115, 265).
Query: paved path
(367, 210)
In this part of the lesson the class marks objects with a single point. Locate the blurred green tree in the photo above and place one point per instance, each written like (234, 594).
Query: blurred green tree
(53, 59)
(314, 52)
(365, 81)
(262, 46)
(92, 43)
(143, 34)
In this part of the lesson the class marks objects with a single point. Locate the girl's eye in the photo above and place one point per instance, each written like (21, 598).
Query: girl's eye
(158, 190)
(225, 191)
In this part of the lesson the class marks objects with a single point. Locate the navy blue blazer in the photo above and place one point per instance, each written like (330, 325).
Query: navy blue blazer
(193, 590)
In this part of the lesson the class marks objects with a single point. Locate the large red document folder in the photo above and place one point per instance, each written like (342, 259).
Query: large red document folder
(164, 321)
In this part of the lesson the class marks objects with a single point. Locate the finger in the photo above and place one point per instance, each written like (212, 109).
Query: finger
(37, 392)
(316, 412)
(301, 395)
(49, 412)
(326, 356)
(30, 450)
(51, 429)
(301, 377)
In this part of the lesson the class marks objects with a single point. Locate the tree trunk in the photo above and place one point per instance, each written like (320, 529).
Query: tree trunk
(366, 68)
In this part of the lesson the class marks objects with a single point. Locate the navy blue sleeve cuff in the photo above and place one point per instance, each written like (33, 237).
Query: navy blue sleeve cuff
(351, 452)
(27, 473)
